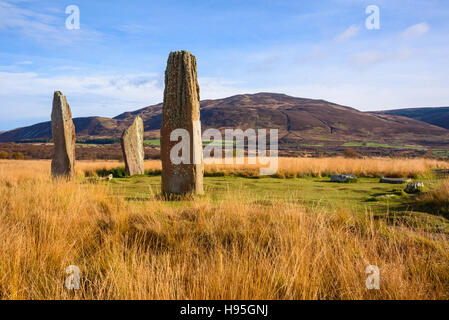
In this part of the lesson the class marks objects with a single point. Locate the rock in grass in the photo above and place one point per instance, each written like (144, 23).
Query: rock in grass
(132, 147)
(414, 187)
(100, 179)
(395, 180)
(343, 178)
(63, 130)
(386, 196)
(181, 110)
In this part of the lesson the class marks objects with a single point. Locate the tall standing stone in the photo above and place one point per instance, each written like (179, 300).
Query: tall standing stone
(132, 147)
(64, 138)
(181, 110)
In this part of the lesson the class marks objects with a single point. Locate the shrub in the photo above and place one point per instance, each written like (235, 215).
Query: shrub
(18, 156)
(90, 173)
(119, 172)
(350, 153)
(153, 172)
(4, 155)
(429, 154)
(437, 200)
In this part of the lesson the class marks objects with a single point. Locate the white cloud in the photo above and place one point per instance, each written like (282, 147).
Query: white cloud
(41, 27)
(367, 58)
(26, 97)
(373, 58)
(137, 29)
(349, 33)
(416, 30)
(371, 97)
(266, 64)
(215, 88)
(33, 83)
(29, 94)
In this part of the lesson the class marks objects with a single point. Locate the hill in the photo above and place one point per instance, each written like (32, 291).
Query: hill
(301, 122)
(85, 127)
(436, 116)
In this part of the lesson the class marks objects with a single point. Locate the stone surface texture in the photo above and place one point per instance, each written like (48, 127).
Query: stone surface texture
(395, 180)
(63, 131)
(343, 178)
(414, 187)
(132, 147)
(181, 110)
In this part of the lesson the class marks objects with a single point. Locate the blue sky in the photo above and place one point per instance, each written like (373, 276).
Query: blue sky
(313, 49)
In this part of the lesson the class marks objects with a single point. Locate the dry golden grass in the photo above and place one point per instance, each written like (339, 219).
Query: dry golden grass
(392, 167)
(297, 167)
(233, 250)
(437, 199)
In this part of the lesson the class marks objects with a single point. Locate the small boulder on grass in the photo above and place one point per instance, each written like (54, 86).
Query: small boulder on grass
(344, 178)
(395, 180)
(414, 187)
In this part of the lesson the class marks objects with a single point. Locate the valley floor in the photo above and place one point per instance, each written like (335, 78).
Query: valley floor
(291, 236)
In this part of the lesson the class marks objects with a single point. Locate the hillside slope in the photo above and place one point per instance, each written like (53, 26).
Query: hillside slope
(99, 127)
(436, 116)
(300, 121)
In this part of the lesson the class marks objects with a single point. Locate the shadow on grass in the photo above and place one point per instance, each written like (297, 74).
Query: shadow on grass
(433, 209)
(178, 197)
(402, 203)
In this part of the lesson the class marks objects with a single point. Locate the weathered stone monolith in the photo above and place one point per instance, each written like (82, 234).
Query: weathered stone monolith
(63, 130)
(132, 147)
(181, 110)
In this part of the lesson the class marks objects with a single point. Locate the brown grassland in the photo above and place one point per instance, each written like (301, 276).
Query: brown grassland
(298, 167)
(203, 250)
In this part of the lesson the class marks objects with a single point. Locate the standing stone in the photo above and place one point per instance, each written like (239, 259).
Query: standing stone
(132, 147)
(181, 110)
(63, 130)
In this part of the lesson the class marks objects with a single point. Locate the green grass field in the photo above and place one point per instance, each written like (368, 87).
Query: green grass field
(157, 142)
(381, 145)
(441, 153)
(152, 142)
(365, 196)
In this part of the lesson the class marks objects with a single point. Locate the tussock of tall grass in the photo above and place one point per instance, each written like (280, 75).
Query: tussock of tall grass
(300, 167)
(233, 250)
(437, 199)
(366, 167)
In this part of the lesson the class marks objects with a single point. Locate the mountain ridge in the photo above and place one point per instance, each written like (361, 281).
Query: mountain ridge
(438, 116)
(300, 121)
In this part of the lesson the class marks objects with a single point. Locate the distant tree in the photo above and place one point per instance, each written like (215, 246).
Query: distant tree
(4, 155)
(429, 154)
(350, 153)
(18, 156)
